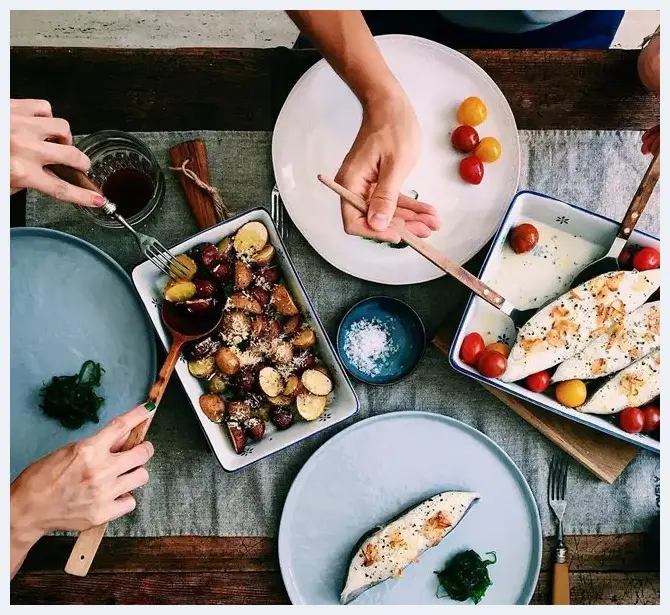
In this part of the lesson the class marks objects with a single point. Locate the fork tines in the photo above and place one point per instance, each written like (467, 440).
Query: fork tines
(558, 477)
(163, 259)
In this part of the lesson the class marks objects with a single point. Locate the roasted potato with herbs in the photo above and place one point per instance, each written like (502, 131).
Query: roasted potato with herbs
(283, 302)
(235, 327)
(237, 435)
(316, 382)
(241, 301)
(291, 325)
(280, 401)
(264, 257)
(238, 410)
(176, 291)
(310, 407)
(281, 418)
(227, 361)
(203, 368)
(270, 381)
(304, 339)
(217, 382)
(226, 248)
(250, 239)
(282, 353)
(184, 269)
(292, 387)
(202, 348)
(243, 275)
(213, 407)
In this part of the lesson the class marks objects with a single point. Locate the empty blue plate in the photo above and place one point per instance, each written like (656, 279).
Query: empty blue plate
(381, 340)
(70, 302)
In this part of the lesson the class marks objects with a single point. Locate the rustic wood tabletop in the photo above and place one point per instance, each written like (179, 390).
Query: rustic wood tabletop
(243, 89)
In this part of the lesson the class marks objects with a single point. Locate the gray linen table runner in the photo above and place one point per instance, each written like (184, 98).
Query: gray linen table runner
(189, 493)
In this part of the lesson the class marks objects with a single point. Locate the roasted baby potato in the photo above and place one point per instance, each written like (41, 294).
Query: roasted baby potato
(202, 348)
(281, 401)
(292, 386)
(221, 271)
(227, 361)
(304, 339)
(291, 325)
(316, 382)
(250, 239)
(261, 295)
(282, 353)
(202, 368)
(283, 301)
(226, 247)
(213, 406)
(243, 275)
(239, 410)
(237, 435)
(205, 253)
(282, 418)
(255, 428)
(217, 383)
(267, 277)
(235, 327)
(246, 379)
(264, 257)
(241, 301)
(310, 407)
(270, 381)
(176, 291)
(185, 268)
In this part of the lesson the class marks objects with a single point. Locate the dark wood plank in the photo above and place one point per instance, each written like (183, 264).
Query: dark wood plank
(267, 588)
(243, 89)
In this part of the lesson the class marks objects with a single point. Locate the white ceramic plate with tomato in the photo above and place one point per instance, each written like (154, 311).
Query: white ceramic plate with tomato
(318, 124)
(568, 239)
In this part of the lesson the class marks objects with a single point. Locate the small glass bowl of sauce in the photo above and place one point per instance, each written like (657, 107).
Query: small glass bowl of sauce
(128, 175)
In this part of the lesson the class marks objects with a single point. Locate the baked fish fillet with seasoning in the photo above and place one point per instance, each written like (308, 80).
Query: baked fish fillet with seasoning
(636, 336)
(564, 327)
(634, 386)
(386, 551)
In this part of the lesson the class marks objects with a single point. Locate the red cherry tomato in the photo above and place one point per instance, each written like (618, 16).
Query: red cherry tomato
(626, 259)
(471, 348)
(538, 382)
(524, 238)
(471, 170)
(631, 420)
(464, 139)
(492, 364)
(652, 418)
(647, 258)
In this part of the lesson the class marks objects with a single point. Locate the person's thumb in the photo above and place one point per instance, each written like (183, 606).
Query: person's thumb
(384, 199)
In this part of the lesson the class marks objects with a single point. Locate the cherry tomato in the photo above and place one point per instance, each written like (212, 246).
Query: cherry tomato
(523, 238)
(471, 170)
(464, 139)
(647, 258)
(500, 347)
(472, 111)
(626, 259)
(492, 364)
(571, 393)
(538, 382)
(652, 419)
(488, 150)
(631, 420)
(471, 348)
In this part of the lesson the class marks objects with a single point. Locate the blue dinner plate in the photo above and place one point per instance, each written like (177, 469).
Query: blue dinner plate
(375, 469)
(405, 332)
(70, 302)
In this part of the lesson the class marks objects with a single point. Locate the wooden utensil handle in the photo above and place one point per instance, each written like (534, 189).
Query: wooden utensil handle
(89, 540)
(560, 592)
(74, 176)
(425, 249)
(641, 198)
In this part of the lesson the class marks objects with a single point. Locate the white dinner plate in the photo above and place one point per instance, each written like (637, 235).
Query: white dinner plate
(319, 122)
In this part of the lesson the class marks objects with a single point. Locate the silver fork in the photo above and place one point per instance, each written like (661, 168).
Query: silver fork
(153, 249)
(277, 212)
(558, 482)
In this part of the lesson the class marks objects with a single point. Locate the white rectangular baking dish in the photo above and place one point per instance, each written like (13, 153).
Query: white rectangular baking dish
(150, 282)
(570, 238)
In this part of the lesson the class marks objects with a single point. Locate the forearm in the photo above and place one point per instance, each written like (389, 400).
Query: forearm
(345, 41)
(23, 529)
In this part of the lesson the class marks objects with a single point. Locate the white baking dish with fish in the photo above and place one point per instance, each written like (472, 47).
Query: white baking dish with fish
(570, 238)
(343, 402)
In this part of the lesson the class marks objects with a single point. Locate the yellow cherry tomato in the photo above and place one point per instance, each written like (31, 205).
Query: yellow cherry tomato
(488, 150)
(571, 393)
(472, 111)
(503, 349)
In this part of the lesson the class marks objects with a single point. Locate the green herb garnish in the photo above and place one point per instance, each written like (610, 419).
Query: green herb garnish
(465, 576)
(72, 400)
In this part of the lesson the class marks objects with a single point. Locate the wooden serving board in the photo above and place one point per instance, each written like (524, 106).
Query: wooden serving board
(598, 452)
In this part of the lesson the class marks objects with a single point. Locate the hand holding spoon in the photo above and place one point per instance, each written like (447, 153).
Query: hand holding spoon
(183, 328)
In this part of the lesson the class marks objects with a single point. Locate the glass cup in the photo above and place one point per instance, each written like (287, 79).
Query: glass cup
(112, 151)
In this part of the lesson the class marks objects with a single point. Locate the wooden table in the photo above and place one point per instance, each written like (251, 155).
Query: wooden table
(243, 89)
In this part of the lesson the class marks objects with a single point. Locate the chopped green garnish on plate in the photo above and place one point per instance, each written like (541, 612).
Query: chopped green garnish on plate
(465, 577)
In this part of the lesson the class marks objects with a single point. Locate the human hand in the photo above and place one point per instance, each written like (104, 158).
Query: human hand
(651, 140)
(37, 139)
(81, 485)
(382, 155)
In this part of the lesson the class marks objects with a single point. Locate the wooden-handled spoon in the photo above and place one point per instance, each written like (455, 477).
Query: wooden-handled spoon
(610, 262)
(519, 317)
(184, 328)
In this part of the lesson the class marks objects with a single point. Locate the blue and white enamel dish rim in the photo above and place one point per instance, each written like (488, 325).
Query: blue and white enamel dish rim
(378, 467)
(150, 282)
(600, 230)
(70, 302)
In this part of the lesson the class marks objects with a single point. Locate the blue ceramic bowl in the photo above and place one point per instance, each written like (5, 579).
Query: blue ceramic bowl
(405, 333)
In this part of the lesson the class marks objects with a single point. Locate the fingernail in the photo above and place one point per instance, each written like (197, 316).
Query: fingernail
(150, 406)
(379, 222)
(98, 200)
